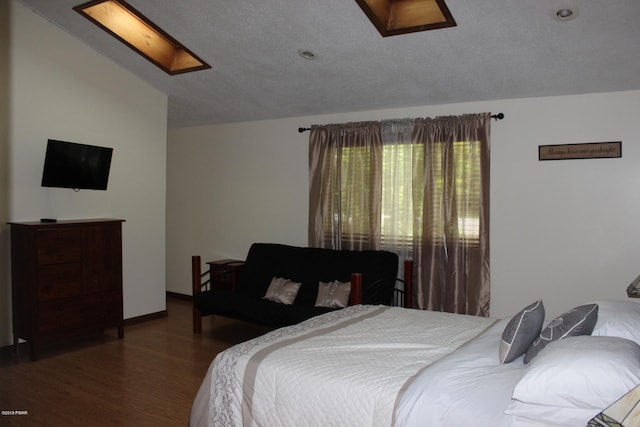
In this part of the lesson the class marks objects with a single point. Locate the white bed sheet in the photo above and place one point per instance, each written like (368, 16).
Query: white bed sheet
(469, 385)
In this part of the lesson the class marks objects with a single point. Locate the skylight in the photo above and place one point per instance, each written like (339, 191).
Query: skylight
(393, 17)
(132, 28)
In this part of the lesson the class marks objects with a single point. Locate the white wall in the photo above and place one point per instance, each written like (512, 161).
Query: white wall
(61, 89)
(565, 231)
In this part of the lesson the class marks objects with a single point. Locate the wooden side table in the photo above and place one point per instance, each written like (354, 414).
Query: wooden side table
(223, 273)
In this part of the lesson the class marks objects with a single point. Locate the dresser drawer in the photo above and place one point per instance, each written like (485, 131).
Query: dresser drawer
(70, 315)
(58, 281)
(59, 246)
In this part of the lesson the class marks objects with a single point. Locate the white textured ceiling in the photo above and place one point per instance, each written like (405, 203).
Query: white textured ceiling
(500, 49)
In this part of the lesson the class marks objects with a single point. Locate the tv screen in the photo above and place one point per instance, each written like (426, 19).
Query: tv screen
(77, 166)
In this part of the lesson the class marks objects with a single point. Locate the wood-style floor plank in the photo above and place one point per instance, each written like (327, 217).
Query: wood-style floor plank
(149, 378)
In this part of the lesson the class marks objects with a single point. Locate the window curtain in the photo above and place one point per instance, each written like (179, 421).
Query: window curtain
(417, 187)
(345, 163)
(452, 251)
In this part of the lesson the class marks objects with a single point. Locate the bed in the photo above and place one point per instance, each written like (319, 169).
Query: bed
(390, 366)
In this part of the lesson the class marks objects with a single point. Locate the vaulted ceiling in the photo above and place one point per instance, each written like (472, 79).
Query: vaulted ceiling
(500, 49)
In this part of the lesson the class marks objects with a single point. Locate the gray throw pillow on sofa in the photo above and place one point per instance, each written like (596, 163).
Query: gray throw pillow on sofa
(333, 294)
(578, 321)
(520, 332)
(283, 291)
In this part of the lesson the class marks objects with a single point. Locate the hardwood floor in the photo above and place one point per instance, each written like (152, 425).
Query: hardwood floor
(149, 378)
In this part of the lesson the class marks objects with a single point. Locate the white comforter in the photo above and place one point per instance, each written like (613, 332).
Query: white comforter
(348, 367)
(370, 366)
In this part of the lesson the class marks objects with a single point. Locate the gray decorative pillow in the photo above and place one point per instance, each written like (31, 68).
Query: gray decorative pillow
(520, 332)
(282, 290)
(578, 321)
(333, 294)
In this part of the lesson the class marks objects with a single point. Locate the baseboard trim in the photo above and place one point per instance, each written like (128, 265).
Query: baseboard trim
(145, 318)
(159, 314)
(179, 296)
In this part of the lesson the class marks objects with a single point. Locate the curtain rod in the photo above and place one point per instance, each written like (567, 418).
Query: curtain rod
(497, 117)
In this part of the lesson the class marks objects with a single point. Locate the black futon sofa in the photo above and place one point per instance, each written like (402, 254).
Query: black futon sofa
(372, 275)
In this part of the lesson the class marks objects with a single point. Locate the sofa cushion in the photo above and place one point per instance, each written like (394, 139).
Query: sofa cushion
(293, 314)
(310, 266)
(307, 266)
(255, 310)
(265, 261)
(227, 303)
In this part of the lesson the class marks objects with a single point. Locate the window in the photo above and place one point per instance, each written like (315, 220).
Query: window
(401, 218)
(404, 184)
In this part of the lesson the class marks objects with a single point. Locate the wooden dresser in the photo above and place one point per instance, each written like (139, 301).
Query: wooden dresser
(66, 280)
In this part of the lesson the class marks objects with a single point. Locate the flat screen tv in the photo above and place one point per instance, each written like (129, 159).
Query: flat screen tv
(77, 166)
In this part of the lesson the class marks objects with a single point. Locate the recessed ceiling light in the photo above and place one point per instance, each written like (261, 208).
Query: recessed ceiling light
(125, 23)
(307, 54)
(564, 13)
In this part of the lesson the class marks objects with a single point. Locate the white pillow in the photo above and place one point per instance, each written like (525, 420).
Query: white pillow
(283, 291)
(618, 319)
(581, 372)
(333, 294)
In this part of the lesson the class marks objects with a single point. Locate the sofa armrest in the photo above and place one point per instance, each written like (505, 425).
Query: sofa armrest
(408, 284)
(219, 274)
(406, 292)
(356, 289)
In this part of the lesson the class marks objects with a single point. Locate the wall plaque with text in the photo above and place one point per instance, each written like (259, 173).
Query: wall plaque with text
(590, 150)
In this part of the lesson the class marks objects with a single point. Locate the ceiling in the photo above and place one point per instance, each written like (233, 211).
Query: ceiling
(500, 49)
